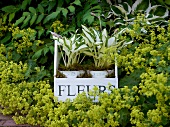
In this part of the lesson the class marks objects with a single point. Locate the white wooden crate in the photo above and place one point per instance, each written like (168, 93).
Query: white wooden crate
(70, 87)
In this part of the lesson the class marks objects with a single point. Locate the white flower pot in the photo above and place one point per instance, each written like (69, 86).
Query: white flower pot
(72, 74)
(100, 74)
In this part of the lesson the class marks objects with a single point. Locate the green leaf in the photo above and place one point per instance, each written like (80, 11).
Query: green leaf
(116, 10)
(77, 2)
(167, 2)
(87, 17)
(40, 32)
(6, 38)
(51, 5)
(16, 36)
(11, 16)
(25, 23)
(39, 19)
(32, 10)
(124, 116)
(20, 20)
(5, 17)
(141, 5)
(64, 11)
(37, 54)
(24, 4)
(46, 49)
(26, 13)
(53, 15)
(160, 11)
(9, 9)
(71, 9)
(40, 8)
(51, 49)
(34, 17)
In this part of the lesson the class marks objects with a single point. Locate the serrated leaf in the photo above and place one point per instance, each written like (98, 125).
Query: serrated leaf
(64, 11)
(5, 17)
(9, 9)
(6, 38)
(71, 9)
(46, 49)
(34, 17)
(40, 8)
(24, 4)
(51, 49)
(39, 19)
(25, 23)
(20, 20)
(26, 13)
(37, 54)
(51, 6)
(77, 2)
(87, 17)
(40, 32)
(53, 15)
(32, 10)
(11, 16)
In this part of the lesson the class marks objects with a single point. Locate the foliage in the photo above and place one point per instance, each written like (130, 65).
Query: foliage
(71, 48)
(98, 41)
(124, 14)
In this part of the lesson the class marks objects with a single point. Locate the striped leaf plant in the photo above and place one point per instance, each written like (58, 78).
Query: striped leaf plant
(124, 14)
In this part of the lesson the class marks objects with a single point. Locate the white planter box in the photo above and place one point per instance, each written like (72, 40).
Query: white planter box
(70, 87)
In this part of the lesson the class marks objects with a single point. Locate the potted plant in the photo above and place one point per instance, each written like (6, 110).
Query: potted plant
(71, 49)
(97, 43)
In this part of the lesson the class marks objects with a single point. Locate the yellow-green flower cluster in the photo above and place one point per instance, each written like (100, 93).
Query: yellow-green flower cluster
(23, 39)
(58, 27)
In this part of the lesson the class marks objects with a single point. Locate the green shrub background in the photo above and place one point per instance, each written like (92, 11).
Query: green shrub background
(26, 69)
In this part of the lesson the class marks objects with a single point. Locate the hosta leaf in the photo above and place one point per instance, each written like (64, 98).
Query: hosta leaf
(40, 8)
(34, 17)
(161, 11)
(89, 37)
(111, 41)
(85, 28)
(81, 47)
(87, 41)
(64, 11)
(11, 16)
(77, 2)
(20, 20)
(88, 53)
(71, 9)
(32, 10)
(39, 19)
(126, 7)
(141, 5)
(116, 10)
(167, 2)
